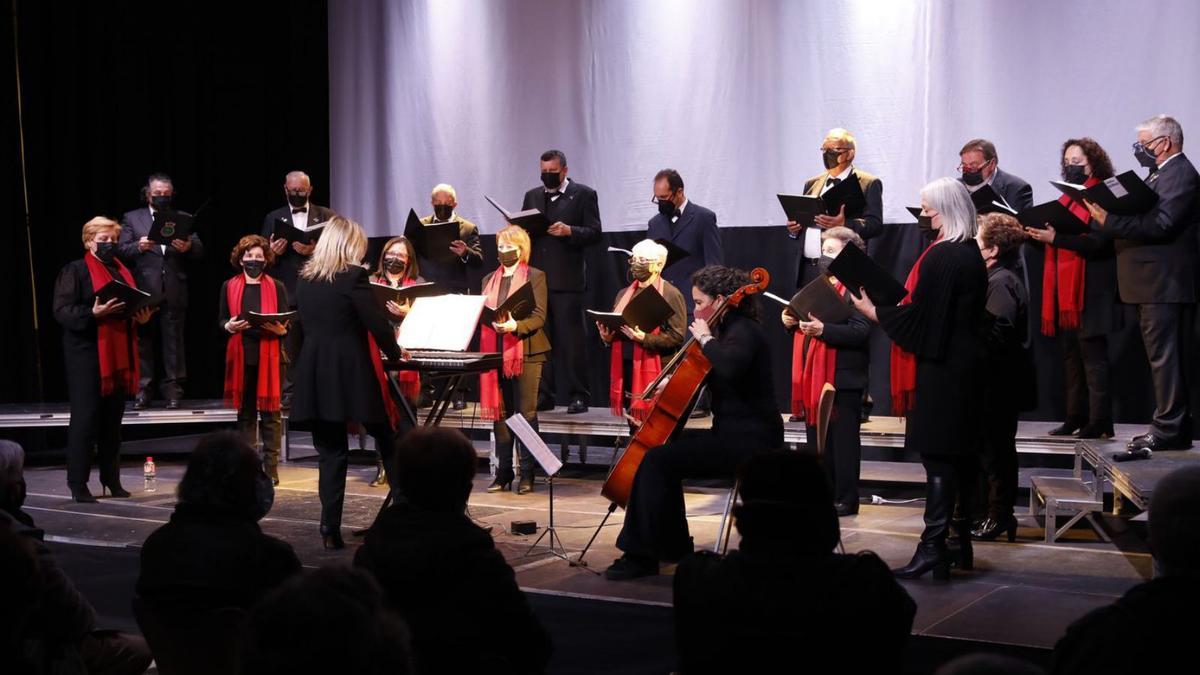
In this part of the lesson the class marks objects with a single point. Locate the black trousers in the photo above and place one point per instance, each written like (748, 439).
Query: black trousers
(656, 518)
(291, 351)
(949, 479)
(843, 445)
(566, 373)
(1165, 330)
(160, 340)
(333, 448)
(1086, 372)
(95, 426)
(998, 457)
(518, 393)
(255, 424)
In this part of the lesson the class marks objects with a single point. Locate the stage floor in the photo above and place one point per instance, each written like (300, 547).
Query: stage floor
(1019, 594)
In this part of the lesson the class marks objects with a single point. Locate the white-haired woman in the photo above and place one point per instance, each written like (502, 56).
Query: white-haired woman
(339, 374)
(937, 355)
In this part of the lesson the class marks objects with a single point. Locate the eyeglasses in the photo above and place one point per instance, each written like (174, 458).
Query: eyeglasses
(837, 150)
(659, 200)
(1138, 145)
(963, 168)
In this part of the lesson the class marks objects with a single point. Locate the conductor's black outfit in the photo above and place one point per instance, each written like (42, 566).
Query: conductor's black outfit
(746, 420)
(335, 380)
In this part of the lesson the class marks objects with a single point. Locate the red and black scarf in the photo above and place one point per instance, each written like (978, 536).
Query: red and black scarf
(646, 366)
(490, 404)
(903, 363)
(1063, 277)
(814, 364)
(268, 385)
(116, 339)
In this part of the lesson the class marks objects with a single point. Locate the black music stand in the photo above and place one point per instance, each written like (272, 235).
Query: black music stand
(551, 465)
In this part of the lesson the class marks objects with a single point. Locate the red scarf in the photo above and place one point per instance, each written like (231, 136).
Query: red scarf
(267, 393)
(389, 403)
(116, 340)
(646, 366)
(1063, 277)
(410, 380)
(811, 370)
(904, 364)
(490, 403)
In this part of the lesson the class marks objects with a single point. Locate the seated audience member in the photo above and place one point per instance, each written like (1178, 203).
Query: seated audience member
(330, 621)
(57, 624)
(1148, 630)
(212, 553)
(985, 663)
(784, 592)
(442, 572)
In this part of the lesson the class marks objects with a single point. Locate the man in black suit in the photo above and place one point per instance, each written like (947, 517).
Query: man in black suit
(291, 252)
(687, 225)
(837, 153)
(1156, 270)
(574, 214)
(980, 166)
(159, 269)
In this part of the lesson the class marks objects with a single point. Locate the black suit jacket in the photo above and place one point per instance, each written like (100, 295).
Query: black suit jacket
(156, 271)
(1013, 189)
(867, 224)
(1102, 310)
(695, 232)
(1156, 251)
(73, 300)
(287, 266)
(561, 258)
(530, 328)
(453, 275)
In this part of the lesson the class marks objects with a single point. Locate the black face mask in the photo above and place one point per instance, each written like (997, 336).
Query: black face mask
(925, 225)
(510, 257)
(253, 268)
(106, 251)
(830, 158)
(551, 179)
(1074, 173)
(1145, 157)
(640, 271)
(823, 264)
(442, 212)
(972, 178)
(297, 199)
(161, 202)
(394, 265)
(666, 207)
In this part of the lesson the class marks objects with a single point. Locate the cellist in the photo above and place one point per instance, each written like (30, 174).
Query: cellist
(746, 420)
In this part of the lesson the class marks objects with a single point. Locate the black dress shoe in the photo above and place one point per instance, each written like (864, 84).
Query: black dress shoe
(333, 541)
(1155, 444)
(1097, 430)
(1067, 428)
(577, 406)
(631, 567)
(173, 404)
(795, 418)
(990, 529)
(82, 495)
(843, 509)
(500, 485)
(141, 402)
(525, 486)
(459, 404)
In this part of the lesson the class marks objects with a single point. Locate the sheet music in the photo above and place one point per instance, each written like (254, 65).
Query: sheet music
(441, 323)
(550, 463)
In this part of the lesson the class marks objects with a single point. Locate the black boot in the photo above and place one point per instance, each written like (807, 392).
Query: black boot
(990, 528)
(929, 556)
(931, 552)
(964, 555)
(110, 478)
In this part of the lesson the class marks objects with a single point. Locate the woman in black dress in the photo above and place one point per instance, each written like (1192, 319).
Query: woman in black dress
(525, 348)
(339, 376)
(937, 359)
(100, 355)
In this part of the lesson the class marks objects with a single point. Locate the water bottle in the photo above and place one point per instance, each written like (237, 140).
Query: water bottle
(149, 473)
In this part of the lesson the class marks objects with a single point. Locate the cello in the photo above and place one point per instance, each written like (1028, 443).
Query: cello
(668, 414)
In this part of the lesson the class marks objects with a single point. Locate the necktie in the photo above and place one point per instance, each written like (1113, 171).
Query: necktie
(832, 182)
(302, 209)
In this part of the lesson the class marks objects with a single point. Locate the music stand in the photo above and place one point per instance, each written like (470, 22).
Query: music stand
(551, 465)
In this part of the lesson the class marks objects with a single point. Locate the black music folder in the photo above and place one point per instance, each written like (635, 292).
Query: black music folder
(309, 235)
(855, 269)
(168, 226)
(533, 221)
(384, 293)
(257, 319)
(519, 304)
(647, 310)
(819, 298)
(801, 209)
(674, 253)
(848, 192)
(1056, 214)
(915, 211)
(987, 200)
(135, 299)
(1123, 195)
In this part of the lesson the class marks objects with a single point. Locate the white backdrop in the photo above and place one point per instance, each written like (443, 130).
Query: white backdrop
(735, 94)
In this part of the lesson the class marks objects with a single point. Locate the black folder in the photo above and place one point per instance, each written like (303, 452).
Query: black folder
(257, 319)
(432, 240)
(532, 220)
(647, 310)
(1056, 214)
(134, 298)
(915, 211)
(383, 293)
(855, 269)
(168, 226)
(819, 298)
(846, 193)
(1123, 195)
(519, 304)
(801, 209)
(987, 200)
(285, 230)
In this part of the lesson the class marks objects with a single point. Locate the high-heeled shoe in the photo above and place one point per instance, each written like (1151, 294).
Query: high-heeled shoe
(525, 486)
(1097, 430)
(380, 475)
(114, 490)
(929, 556)
(991, 528)
(1067, 428)
(82, 495)
(333, 541)
(500, 486)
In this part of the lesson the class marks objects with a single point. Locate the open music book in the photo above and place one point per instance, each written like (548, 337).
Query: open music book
(441, 323)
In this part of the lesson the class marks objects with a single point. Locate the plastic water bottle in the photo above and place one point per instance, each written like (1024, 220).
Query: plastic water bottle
(149, 474)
